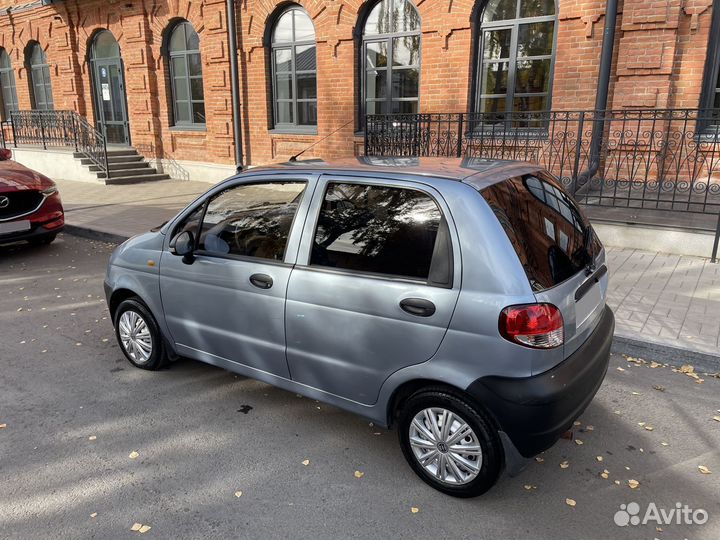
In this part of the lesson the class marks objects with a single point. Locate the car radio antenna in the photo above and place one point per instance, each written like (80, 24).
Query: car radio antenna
(293, 159)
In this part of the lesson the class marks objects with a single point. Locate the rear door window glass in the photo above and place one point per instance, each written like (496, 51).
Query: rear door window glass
(549, 233)
(378, 229)
(251, 220)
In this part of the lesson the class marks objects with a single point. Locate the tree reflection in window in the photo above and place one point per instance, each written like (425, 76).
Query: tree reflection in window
(377, 229)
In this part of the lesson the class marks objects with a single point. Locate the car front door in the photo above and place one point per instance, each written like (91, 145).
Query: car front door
(227, 301)
(374, 287)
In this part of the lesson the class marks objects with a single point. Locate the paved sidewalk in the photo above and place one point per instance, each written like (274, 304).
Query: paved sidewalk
(666, 305)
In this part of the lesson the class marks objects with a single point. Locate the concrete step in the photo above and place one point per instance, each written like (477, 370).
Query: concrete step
(122, 166)
(128, 172)
(136, 179)
(116, 159)
(114, 153)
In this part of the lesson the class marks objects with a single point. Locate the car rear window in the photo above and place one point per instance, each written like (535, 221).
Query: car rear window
(545, 226)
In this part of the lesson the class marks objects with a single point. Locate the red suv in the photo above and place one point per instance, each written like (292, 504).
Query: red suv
(30, 207)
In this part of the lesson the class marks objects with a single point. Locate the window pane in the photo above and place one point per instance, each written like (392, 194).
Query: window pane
(177, 38)
(192, 40)
(105, 46)
(530, 103)
(283, 28)
(190, 223)
(284, 112)
(492, 105)
(495, 78)
(536, 8)
(4, 59)
(196, 89)
(306, 86)
(251, 221)
(376, 54)
(198, 113)
(376, 107)
(307, 113)
(405, 17)
(182, 112)
(305, 58)
(283, 60)
(405, 107)
(376, 229)
(378, 22)
(499, 10)
(181, 90)
(717, 100)
(178, 66)
(37, 55)
(535, 39)
(406, 51)
(496, 43)
(194, 65)
(376, 84)
(283, 86)
(304, 30)
(532, 76)
(405, 83)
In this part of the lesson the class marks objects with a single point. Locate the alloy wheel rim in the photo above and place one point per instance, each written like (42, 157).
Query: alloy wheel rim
(445, 446)
(135, 336)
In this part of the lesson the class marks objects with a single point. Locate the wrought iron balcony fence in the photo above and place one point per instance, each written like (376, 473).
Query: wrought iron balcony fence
(60, 129)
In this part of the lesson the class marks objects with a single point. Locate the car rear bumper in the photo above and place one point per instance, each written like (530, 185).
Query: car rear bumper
(535, 411)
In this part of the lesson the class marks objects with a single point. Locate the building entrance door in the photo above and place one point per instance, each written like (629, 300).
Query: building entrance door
(109, 89)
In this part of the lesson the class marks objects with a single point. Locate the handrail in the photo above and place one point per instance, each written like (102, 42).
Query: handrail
(60, 129)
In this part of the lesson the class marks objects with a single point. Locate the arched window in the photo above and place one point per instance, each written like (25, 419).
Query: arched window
(40, 87)
(391, 58)
(186, 80)
(294, 70)
(517, 49)
(7, 85)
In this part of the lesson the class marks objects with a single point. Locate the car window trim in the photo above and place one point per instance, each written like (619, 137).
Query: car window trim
(242, 258)
(381, 182)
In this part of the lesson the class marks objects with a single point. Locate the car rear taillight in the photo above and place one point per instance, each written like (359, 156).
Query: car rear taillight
(5, 154)
(539, 326)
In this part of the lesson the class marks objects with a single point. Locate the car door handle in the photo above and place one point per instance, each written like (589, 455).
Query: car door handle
(418, 306)
(261, 281)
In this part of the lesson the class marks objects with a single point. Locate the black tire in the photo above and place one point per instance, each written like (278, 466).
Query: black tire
(43, 240)
(158, 355)
(487, 436)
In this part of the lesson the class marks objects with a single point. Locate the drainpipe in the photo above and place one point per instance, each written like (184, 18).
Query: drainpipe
(601, 98)
(234, 84)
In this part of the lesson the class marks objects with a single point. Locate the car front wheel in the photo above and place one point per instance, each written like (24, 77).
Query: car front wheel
(138, 335)
(449, 443)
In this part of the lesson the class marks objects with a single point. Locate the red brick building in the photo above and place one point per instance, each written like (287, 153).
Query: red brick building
(155, 74)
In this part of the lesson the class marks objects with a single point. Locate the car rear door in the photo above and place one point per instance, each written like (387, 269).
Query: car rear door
(562, 257)
(375, 284)
(229, 302)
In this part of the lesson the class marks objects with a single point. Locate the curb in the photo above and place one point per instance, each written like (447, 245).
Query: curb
(622, 344)
(94, 234)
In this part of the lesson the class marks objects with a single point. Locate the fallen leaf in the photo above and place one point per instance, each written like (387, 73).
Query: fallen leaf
(578, 442)
(605, 474)
(306, 462)
(703, 469)
(665, 444)
(633, 484)
(359, 474)
(133, 455)
(635, 393)
(529, 487)
(686, 368)
(3, 426)
(94, 514)
(716, 418)
(641, 424)
(654, 365)
(238, 493)
(589, 428)
(539, 459)
(144, 529)
(599, 458)
(617, 482)
(620, 369)
(92, 437)
(136, 527)
(576, 423)
(414, 510)
(564, 465)
(659, 387)
(570, 502)
(649, 428)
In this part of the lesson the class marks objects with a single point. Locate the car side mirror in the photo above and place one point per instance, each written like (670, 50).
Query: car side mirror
(183, 245)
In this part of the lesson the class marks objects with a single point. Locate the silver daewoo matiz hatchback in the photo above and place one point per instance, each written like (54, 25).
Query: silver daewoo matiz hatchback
(460, 300)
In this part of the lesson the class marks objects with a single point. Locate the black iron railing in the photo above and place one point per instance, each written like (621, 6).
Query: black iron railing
(57, 129)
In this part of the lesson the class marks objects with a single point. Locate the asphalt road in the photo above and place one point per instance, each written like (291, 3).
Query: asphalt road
(75, 410)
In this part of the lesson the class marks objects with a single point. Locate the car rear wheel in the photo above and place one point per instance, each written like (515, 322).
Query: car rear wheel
(449, 443)
(138, 335)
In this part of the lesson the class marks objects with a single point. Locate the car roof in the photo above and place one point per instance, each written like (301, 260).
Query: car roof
(477, 172)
